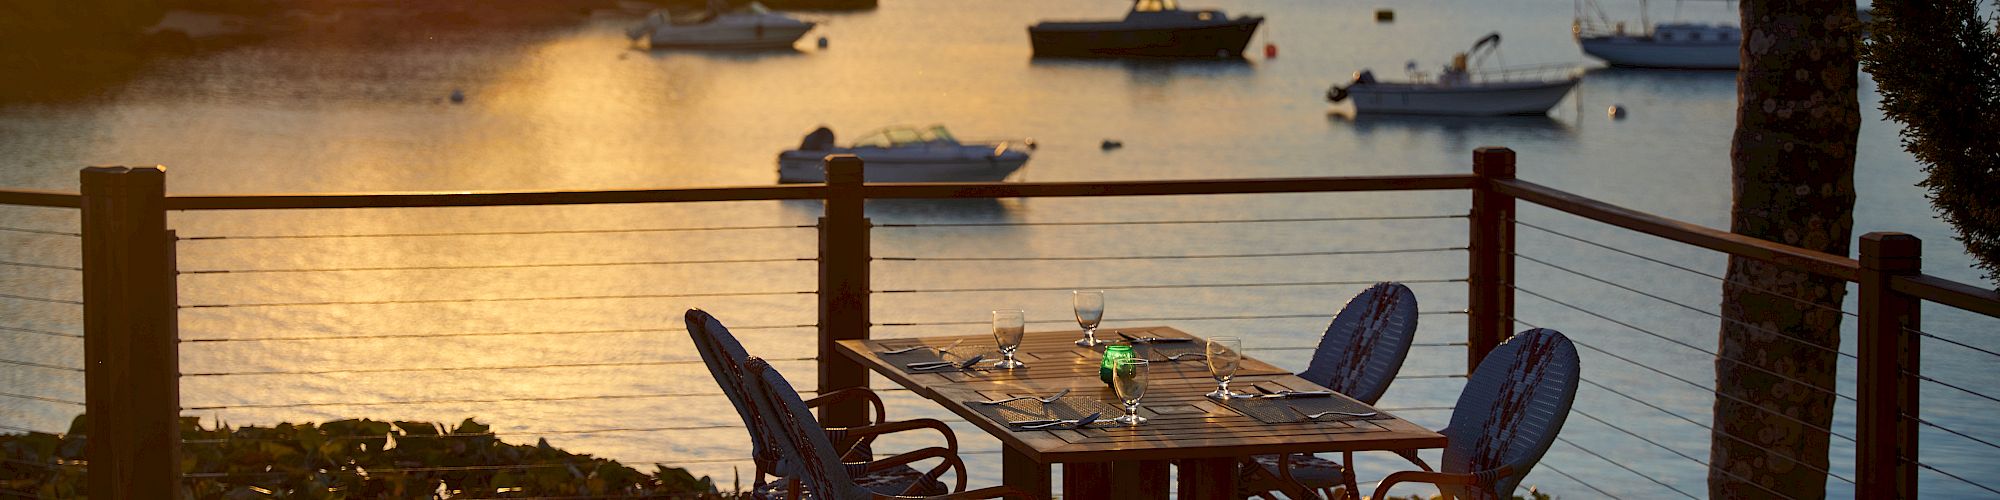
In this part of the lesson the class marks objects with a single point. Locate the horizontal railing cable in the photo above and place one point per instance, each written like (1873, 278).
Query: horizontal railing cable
(1683, 268)
(497, 299)
(1952, 342)
(40, 299)
(31, 364)
(1552, 468)
(1155, 287)
(1682, 305)
(1690, 458)
(1176, 222)
(1173, 257)
(1974, 393)
(502, 266)
(40, 231)
(450, 435)
(1954, 432)
(1684, 418)
(1931, 468)
(1678, 342)
(1627, 468)
(547, 399)
(547, 366)
(476, 334)
(1177, 318)
(489, 233)
(41, 332)
(1703, 388)
(40, 398)
(1712, 430)
(39, 266)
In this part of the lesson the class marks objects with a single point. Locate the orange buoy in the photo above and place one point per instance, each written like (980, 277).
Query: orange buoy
(1270, 51)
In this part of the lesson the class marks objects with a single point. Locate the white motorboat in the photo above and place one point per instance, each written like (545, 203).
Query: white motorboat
(906, 154)
(753, 27)
(1461, 89)
(1676, 45)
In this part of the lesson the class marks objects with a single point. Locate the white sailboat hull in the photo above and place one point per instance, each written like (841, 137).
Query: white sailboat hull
(1487, 99)
(808, 166)
(1645, 53)
(730, 31)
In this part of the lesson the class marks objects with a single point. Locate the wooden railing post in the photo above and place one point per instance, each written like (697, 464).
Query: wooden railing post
(1886, 404)
(131, 346)
(1490, 280)
(843, 286)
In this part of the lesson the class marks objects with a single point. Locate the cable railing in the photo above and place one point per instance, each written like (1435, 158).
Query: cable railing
(39, 316)
(555, 301)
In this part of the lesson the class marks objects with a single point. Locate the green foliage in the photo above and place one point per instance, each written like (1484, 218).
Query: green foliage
(1937, 64)
(353, 459)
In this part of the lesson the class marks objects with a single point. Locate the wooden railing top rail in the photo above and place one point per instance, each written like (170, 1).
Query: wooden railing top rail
(1693, 234)
(1172, 187)
(33, 198)
(492, 198)
(1948, 292)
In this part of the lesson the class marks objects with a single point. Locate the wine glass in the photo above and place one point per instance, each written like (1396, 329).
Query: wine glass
(1008, 326)
(1129, 379)
(1225, 355)
(1089, 311)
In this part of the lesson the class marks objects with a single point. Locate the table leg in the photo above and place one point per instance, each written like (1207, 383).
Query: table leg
(1024, 473)
(1087, 480)
(1208, 478)
(1139, 479)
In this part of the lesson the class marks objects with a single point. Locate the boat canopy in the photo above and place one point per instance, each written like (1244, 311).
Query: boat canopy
(903, 136)
(1155, 5)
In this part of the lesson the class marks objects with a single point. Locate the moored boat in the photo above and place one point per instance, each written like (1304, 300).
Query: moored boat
(753, 27)
(1676, 45)
(906, 154)
(1153, 28)
(1462, 89)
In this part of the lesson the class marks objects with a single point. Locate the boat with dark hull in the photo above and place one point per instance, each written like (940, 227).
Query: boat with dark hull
(1154, 28)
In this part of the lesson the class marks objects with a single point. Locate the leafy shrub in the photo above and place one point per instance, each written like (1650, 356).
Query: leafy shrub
(352, 459)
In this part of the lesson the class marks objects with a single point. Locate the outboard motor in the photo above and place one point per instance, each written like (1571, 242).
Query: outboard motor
(820, 139)
(1338, 93)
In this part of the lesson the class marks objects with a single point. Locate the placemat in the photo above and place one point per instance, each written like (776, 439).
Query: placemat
(1278, 410)
(902, 360)
(1067, 408)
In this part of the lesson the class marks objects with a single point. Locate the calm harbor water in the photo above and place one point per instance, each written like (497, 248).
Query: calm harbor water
(579, 108)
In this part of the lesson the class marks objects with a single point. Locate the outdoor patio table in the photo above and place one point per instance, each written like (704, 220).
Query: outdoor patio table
(1202, 437)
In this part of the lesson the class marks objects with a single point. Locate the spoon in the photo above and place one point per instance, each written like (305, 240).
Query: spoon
(1177, 357)
(1047, 400)
(1316, 416)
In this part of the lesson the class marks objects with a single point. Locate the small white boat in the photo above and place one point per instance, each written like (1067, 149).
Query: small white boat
(753, 27)
(1675, 45)
(1461, 89)
(906, 154)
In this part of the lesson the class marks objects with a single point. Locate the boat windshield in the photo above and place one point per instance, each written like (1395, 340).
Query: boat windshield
(1155, 5)
(890, 137)
(937, 133)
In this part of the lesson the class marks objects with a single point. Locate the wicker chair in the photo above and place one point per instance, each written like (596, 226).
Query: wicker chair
(1359, 356)
(725, 357)
(809, 452)
(1509, 414)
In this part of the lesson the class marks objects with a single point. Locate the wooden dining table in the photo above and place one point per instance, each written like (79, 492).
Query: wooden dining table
(1186, 429)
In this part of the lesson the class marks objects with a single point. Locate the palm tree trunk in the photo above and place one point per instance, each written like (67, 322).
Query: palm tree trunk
(1793, 159)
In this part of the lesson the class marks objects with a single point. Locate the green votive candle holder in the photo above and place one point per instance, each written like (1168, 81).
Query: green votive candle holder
(1113, 354)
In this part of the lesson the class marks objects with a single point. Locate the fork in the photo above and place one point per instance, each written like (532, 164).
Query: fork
(1177, 357)
(1047, 400)
(916, 347)
(1316, 416)
(1075, 424)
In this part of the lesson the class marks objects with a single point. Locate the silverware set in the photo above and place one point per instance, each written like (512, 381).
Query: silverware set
(1036, 425)
(1156, 340)
(940, 350)
(938, 365)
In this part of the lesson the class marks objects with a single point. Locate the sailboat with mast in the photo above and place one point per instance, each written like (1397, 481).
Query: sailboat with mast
(1677, 45)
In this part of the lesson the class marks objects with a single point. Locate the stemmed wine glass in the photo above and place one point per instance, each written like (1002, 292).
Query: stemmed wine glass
(1129, 380)
(1225, 354)
(1089, 311)
(1008, 326)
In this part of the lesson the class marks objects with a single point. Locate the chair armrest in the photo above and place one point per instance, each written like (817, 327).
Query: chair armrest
(868, 432)
(1482, 479)
(1411, 455)
(850, 394)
